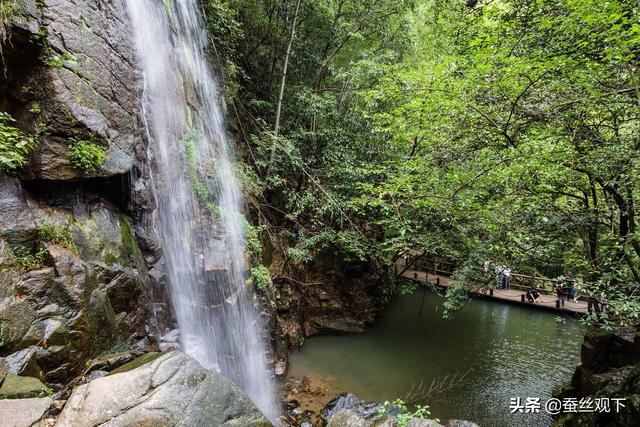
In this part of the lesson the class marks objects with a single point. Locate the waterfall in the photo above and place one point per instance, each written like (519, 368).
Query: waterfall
(198, 218)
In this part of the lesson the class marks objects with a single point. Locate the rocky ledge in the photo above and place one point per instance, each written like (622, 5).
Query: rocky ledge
(171, 390)
(347, 410)
(610, 369)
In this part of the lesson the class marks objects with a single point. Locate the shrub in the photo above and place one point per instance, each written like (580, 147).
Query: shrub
(27, 258)
(58, 234)
(8, 10)
(85, 155)
(14, 144)
(260, 277)
(404, 415)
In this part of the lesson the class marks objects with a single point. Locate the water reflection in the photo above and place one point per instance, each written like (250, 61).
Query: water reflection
(508, 350)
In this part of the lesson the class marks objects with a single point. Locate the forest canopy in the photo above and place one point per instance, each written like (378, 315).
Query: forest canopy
(506, 130)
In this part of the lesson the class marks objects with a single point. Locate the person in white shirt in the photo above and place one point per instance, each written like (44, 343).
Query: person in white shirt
(507, 277)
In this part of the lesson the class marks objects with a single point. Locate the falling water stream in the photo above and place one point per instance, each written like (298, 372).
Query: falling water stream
(198, 218)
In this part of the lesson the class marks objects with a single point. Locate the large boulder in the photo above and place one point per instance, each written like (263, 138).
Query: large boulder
(347, 410)
(173, 390)
(351, 402)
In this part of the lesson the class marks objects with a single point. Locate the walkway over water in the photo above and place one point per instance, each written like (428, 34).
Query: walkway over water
(508, 295)
(418, 266)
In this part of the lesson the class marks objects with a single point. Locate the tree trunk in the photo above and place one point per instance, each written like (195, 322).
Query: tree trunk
(276, 126)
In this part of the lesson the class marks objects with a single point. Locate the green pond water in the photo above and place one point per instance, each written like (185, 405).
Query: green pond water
(506, 350)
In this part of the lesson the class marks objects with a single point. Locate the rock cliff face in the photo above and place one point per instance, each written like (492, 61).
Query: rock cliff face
(610, 369)
(330, 295)
(70, 74)
(73, 279)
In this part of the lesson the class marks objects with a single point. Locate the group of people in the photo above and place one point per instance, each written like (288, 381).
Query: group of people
(502, 273)
(567, 287)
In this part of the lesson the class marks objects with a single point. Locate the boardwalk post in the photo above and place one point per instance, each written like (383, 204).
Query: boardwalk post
(491, 292)
(438, 281)
(590, 306)
(415, 276)
(558, 304)
(522, 298)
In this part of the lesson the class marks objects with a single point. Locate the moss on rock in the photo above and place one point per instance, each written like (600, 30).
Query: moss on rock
(17, 387)
(136, 363)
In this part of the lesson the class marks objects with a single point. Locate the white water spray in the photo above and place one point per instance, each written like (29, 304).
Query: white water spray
(193, 181)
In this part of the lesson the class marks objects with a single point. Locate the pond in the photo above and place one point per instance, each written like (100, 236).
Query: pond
(506, 351)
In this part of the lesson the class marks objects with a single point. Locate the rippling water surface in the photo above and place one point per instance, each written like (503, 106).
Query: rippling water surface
(507, 350)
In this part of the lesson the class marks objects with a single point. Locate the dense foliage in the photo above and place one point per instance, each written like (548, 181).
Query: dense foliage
(15, 145)
(504, 130)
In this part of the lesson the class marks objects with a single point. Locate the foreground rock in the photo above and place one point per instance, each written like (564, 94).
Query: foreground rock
(610, 369)
(347, 410)
(173, 390)
(17, 387)
(23, 412)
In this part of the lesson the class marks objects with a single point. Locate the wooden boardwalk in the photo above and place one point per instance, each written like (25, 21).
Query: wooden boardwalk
(513, 296)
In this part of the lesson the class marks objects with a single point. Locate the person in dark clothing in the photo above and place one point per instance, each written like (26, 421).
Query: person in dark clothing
(561, 292)
(532, 294)
(569, 286)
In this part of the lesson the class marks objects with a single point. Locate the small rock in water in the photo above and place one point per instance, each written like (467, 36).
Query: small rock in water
(280, 368)
(352, 403)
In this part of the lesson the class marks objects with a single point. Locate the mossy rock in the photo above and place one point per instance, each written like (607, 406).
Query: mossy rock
(17, 387)
(15, 320)
(136, 363)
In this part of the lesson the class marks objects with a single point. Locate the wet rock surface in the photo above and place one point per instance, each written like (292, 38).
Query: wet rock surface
(171, 390)
(346, 297)
(80, 82)
(610, 369)
(71, 284)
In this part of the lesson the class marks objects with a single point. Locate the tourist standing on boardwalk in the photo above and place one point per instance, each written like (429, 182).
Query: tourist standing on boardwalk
(577, 288)
(507, 277)
(485, 273)
(499, 269)
(570, 285)
(561, 292)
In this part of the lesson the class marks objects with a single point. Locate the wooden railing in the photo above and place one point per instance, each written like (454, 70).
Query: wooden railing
(426, 262)
(421, 261)
(522, 281)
